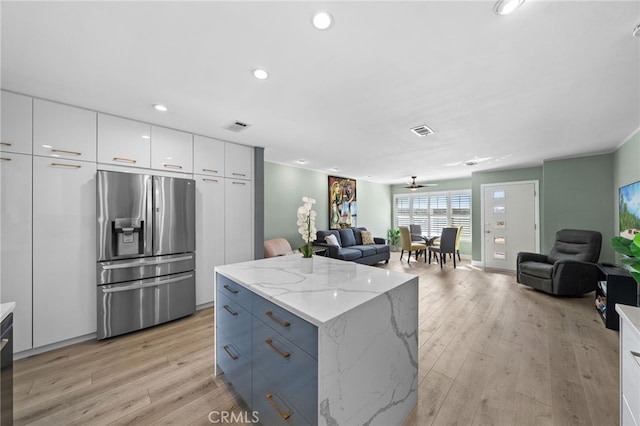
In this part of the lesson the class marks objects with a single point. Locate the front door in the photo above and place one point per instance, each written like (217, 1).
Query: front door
(510, 223)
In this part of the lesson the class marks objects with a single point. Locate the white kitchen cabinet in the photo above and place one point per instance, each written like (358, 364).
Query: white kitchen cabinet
(171, 150)
(238, 161)
(208, 156)
(210, 234)
(238, 218)
(63, 131)
(16, 124)
(64, 249)
(15, 243)
(124, 142)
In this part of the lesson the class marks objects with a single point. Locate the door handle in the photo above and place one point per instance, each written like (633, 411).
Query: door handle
(152, 284)
(145, 263)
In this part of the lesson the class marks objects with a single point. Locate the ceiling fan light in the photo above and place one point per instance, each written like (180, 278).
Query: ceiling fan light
(505, 7)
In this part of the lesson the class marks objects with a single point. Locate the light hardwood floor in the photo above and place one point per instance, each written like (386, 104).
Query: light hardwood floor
(492, 352)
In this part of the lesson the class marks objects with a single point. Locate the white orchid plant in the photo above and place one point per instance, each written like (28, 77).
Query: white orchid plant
(307, 225)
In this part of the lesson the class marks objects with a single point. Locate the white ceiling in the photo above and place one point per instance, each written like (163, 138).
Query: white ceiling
(554, 79)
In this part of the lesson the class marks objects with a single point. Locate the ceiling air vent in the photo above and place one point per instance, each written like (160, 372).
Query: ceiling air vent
(423, 130)
(238, 126)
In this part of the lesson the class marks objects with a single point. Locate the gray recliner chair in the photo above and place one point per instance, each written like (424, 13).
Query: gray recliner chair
(570, 268)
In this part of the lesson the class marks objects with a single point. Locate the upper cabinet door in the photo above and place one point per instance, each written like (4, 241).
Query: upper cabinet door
(208, 156)
(238, 161)
(63, 131)
(171, 150)
(16, 123)
(124, 142)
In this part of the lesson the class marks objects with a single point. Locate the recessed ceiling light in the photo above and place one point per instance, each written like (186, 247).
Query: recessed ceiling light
(301, 161)
(322, 20)
(146, 137)
(260, 74)
(160, 107)
(505, 7)
(334, 169)
(636, 31)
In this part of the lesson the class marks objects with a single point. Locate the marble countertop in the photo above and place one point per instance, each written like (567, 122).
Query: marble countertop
(6, 309)
(333, 288)
(631, 314)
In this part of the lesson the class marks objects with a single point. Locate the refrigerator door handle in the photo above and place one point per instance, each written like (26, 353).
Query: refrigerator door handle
(146, 263)
(152, 284)
(148, 232)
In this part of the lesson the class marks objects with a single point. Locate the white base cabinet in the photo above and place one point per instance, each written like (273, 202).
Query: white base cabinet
(64, 249)
(15, 243)
(629, 364)
(210, 234)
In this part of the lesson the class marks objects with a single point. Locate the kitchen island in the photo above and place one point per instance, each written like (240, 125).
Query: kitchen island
(338, 346)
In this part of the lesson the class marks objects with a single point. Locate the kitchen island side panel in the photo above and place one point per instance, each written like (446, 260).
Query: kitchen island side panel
(368, 361)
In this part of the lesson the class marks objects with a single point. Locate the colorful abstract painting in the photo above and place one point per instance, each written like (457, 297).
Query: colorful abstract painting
(343, 206)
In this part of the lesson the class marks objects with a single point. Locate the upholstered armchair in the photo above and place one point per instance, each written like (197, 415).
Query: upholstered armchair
(569, 269)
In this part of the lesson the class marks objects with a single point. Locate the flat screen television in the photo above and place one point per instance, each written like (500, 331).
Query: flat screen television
(629, 210)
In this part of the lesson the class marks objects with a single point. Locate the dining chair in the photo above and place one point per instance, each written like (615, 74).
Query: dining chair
(408, 245)
(447, 246)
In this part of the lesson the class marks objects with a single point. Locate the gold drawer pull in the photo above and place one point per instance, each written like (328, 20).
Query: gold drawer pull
(230, 289)
(279, 321)
(71, 166)
(226, 349)
(5, 159)
(126, 160)
(269, 342)
(172, 166)
(210, 170)
(238, 183)
(286, 415)
(62, 151)
(209, 180)
(238, 174)
(5, 143)
(231, 311)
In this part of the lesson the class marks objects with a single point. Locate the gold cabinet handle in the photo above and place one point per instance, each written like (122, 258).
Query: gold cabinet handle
(6, 143)
(226, 349)
(210, 180)
(238, 174)
(62, 151)
(5, 159)
(172, 166)
(279, 321)
(231, 311)
(286, 415)
(210, 170)
(269, 342)
(230, 289)
(71, 166)
(125, 160)
(238, 183)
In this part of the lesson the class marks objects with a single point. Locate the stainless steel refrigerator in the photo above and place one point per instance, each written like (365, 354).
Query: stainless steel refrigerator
(146, 251)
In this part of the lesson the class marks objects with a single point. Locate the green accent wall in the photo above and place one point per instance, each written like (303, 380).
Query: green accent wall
(482, 178)
(578, 195)
(284, 187)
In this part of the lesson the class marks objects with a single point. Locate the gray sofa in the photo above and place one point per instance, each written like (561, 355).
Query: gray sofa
(351, 247)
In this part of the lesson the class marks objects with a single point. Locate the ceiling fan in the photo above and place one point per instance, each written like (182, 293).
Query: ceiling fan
(413, 185)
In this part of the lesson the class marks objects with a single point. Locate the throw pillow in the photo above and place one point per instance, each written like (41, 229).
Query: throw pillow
(332, 240)
(367, 238)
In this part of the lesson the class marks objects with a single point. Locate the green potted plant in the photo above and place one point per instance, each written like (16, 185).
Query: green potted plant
(393, 236)
(630, 249)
